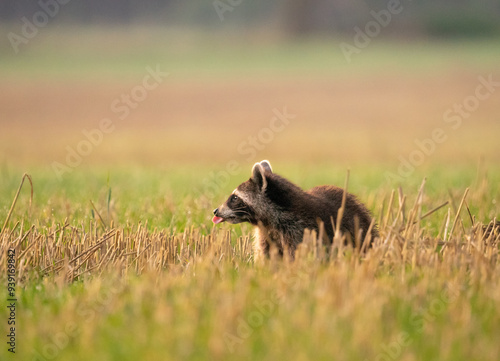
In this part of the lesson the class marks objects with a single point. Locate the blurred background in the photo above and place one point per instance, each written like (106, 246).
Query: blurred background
(141, 115)
(365, 83)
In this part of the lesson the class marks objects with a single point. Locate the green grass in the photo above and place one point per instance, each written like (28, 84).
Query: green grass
(209, 301)
(154, 279)
(179, 197)
(97, 53)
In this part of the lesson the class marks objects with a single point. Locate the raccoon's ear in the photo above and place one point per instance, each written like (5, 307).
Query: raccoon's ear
(267, 166)
(259, 176)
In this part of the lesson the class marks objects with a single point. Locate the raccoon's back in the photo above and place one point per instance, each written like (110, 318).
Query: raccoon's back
(332, 194)
(330, 198)
(327, 202)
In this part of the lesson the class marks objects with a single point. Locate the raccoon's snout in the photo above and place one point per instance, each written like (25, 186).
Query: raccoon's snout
(216, 218)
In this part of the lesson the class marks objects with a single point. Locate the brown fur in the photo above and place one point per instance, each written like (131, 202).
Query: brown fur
(281, 211)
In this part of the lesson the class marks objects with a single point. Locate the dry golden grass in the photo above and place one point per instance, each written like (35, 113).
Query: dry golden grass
(119, 260)
(100, 292)
(91, 249)
(345, 119)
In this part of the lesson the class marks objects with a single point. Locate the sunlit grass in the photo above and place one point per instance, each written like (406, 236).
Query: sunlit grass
(153, 278)
(185, 195)
(118, 259)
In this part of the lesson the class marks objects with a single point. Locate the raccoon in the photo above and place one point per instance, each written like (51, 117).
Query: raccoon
(281, 211)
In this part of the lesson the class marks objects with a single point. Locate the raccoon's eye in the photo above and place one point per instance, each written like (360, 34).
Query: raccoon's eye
(234, 198)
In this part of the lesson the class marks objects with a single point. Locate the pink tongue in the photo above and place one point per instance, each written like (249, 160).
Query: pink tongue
(217, 220)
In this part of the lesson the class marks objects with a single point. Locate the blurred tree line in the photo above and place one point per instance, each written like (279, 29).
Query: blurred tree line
(294, 17)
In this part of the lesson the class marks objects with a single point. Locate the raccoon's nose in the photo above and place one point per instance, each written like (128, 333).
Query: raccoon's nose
(216, 210)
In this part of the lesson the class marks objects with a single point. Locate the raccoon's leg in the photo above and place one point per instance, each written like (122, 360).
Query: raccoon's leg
(260, 245)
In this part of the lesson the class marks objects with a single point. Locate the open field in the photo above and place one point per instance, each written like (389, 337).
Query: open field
(89, 289)
(116, 255)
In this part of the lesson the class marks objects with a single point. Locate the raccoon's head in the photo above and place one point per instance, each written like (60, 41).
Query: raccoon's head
(245, 203)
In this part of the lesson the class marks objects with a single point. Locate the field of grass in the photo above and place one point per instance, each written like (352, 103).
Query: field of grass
(117, 258)
(154, 278)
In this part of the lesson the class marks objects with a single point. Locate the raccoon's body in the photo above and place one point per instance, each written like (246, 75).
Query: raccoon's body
(281, 211)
